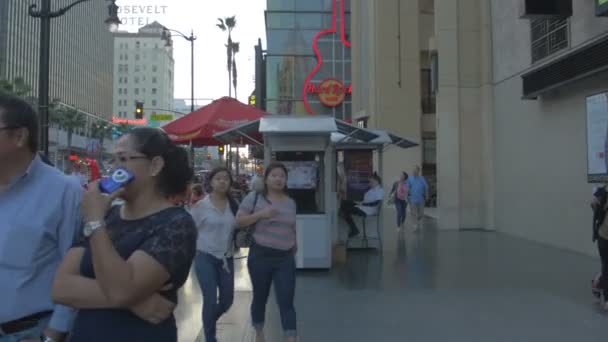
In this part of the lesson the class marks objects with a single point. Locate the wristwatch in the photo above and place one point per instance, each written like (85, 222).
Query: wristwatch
(44, 338)
(91, 227)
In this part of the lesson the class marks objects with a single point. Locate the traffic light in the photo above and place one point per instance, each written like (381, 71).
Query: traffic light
(139, 110)
(221, 149)
(208, 156)
(252, 100)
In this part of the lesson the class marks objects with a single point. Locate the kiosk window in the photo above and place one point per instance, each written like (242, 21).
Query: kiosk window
(305, 180)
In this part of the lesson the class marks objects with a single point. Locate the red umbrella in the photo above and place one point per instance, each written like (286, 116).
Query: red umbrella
(199, 126)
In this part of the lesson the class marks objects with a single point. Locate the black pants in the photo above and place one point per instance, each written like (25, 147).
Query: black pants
(602, 246)
(348, 209)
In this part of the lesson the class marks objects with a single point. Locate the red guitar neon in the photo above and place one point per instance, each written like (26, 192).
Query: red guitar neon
(333, 90)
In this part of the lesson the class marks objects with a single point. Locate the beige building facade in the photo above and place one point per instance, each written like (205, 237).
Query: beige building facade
(391, 53)
(511, 138)
(143, 71)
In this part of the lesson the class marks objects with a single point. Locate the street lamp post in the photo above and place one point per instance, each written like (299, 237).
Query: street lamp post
(45, 14)
(166, 35)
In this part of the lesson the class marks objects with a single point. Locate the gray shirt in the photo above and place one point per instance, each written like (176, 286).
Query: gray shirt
(215, 228)
(279, 231)
(39, 215)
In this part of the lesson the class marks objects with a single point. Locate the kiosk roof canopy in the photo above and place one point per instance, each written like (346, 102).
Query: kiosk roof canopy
(384, 138)
(298, 124)
(293, 124)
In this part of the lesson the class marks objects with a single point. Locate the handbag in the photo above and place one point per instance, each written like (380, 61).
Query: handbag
(244, 237)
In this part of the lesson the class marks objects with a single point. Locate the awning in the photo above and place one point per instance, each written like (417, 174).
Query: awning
(248, 133)
(199, 126)
(384, 139)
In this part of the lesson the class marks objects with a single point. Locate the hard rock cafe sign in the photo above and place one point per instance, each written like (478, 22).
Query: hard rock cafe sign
(331, 92)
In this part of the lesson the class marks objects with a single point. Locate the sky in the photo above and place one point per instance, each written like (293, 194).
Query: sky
(211, 75)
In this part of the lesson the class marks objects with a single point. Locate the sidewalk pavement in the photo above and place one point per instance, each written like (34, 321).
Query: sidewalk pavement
(430, 286)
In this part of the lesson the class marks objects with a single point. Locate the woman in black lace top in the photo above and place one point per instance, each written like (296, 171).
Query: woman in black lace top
(123, 276)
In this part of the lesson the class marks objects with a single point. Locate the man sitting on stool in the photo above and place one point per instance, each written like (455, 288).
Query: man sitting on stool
(369, 207)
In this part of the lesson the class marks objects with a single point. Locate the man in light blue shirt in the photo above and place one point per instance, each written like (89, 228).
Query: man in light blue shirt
(39, 214)
(418, 194)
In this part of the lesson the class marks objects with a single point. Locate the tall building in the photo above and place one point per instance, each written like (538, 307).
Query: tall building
(307, 62)
(81, 53)
(521, 107)
(143, 71)
(393, 49)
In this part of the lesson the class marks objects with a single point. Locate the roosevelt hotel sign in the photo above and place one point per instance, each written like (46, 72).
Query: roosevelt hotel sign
(140, 14)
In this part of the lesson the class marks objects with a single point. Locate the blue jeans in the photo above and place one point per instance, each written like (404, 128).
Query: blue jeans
(33, 333)
(401, 206)
(281, 272)
(211, 277)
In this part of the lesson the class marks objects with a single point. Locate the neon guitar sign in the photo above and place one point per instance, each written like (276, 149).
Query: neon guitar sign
(331, 92)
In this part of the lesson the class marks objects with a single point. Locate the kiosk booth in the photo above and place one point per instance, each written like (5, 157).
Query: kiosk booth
(356, 161)
(306, 145)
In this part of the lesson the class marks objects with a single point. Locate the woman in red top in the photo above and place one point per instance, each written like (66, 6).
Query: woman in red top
(197, 194)
(400, 192)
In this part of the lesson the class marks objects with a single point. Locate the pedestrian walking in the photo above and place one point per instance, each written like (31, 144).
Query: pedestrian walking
(599, 205)
(418, 195)
(399, 194)
(124, 273)
(271, 258)
(39, 214)
(214, 263)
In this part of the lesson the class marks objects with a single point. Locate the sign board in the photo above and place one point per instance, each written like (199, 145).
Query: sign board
(161, 117)
(597, 138)
(138, 122)
(331, 92)
(134, 14)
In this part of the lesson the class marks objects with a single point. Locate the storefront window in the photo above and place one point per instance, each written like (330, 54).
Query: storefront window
(280, 76)
(291, 42)
(281, 5)
(276, 20)
(310, 5)
(312, 21)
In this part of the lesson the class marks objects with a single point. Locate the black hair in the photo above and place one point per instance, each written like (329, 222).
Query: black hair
(177, 173)
(17, 113)
(273, 166)
(405, 175)
(376, 178)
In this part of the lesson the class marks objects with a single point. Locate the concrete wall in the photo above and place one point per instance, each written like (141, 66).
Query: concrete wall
(541, 192)
(389, 60)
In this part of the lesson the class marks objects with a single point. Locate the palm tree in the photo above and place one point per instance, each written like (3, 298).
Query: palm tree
(101, 131)
(235, 49)
(71, 120)
(227, 25)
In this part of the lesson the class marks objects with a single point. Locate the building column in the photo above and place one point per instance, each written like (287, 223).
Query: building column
(464, 112)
